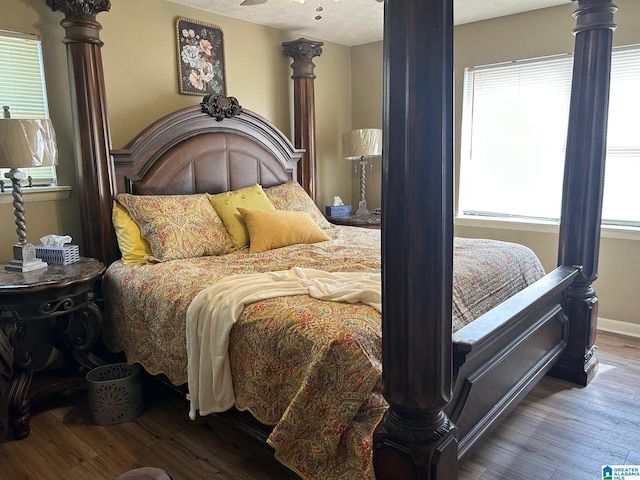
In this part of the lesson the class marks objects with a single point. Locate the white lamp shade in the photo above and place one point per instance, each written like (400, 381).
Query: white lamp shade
(27, 143)
(366, 142)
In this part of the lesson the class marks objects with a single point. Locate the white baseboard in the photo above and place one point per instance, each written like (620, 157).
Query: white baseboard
(616, 326)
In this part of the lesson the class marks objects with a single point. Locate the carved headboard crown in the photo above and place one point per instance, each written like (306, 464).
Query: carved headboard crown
(220, 106)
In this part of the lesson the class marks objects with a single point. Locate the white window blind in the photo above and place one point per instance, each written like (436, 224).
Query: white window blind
(514, 133)
(621, 200)
(23, 89)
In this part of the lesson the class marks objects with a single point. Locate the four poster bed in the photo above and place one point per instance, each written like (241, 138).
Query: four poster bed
(433, 393)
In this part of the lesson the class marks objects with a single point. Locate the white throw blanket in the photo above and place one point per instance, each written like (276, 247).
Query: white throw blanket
(214, 310)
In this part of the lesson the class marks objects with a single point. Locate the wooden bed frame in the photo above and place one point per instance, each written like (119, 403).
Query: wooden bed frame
(443, 396)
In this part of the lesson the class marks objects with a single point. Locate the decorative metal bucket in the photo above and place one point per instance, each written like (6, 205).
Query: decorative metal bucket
(115, 393)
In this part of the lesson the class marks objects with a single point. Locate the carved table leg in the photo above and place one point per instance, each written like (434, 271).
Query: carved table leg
(19, 415)
(83, 330)
(77, 324)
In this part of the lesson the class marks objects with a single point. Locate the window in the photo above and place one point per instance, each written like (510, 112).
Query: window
(514, 131)
(23, 89)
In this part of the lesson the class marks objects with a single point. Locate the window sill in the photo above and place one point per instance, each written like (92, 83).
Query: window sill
(38, 194)
(607, 231)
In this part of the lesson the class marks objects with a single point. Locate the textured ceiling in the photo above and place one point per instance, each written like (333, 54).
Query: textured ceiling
(350, 22)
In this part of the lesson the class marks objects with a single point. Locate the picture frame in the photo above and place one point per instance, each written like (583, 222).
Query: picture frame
(201, 66)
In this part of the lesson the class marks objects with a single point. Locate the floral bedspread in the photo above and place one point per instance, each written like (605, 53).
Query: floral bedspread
(310, 368)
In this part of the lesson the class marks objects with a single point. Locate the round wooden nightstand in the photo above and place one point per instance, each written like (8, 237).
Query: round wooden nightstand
(60, 299)
(365, 221)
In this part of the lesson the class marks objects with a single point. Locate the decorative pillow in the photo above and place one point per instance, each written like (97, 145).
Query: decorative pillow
(178, 226)
(291, 196)
(133, 247)
(269, 229)
(227, 203)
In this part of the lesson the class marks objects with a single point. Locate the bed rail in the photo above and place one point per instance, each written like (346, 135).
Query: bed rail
(499, 357)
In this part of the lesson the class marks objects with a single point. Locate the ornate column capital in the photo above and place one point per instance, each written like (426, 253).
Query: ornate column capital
(594, 14)
(302, 49)
(80, 8)
(80, 23)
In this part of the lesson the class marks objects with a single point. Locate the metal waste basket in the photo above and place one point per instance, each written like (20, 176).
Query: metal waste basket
(115, 393)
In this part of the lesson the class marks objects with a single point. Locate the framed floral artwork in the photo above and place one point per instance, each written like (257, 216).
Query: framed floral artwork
(200, 58)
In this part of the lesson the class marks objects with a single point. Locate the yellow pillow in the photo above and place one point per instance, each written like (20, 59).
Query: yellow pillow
(227, 203)
(279, 228)
(133, 247)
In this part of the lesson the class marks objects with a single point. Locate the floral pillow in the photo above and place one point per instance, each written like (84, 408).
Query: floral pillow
(178, 226)
(291, 196)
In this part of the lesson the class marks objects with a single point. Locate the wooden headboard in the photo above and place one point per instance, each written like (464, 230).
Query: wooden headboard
(198, 153)
(195, 150)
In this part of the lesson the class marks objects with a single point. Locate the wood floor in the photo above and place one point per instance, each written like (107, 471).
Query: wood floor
(558, 432)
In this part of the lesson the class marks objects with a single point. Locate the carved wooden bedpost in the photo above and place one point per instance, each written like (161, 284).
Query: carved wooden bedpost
(90, 122)
(415, 439)
(302, 51)
(584, 180)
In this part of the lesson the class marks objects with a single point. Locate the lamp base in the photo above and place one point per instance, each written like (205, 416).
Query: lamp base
(24, 259)
(362, 209)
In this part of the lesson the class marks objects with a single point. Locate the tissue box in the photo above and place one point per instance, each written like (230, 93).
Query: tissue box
(58, 255)
(337, 210)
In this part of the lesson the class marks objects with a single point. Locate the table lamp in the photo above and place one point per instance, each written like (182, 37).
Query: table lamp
(25, 143)
(362, 145)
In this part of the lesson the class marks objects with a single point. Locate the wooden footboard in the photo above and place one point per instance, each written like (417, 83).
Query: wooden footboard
(499, 357)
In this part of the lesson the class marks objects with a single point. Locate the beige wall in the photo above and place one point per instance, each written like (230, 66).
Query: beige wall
(142, 83)
(366, 101)
(139, 57)
(539, 33)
